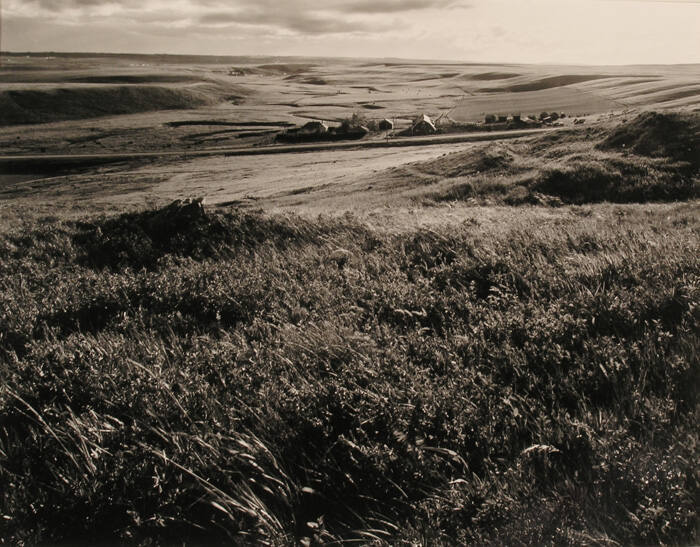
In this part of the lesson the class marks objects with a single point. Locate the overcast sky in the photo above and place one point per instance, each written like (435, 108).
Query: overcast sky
(523, 31)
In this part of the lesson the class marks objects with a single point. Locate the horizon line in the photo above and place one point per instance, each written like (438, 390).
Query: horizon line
(339, 57)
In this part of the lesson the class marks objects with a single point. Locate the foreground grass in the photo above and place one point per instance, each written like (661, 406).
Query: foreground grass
(170, 376)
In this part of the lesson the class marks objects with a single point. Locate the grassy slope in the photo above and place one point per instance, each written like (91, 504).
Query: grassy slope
(653, 157)
(27, 106)
(192, 377)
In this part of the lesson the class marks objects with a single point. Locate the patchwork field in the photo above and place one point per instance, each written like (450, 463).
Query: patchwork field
(178, 103)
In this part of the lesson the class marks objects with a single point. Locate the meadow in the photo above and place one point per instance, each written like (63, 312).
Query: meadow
(216, 375)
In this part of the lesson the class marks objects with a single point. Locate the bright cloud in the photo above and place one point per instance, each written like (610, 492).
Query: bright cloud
(548, 31)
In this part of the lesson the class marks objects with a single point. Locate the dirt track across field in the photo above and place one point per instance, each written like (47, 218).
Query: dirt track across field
(43, 163)
(333, 180)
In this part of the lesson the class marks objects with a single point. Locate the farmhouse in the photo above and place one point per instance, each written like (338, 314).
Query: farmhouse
(423, 125)
(385, 125)
(313, 128)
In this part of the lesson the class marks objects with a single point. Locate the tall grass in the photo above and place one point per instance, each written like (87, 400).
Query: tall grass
(653, 157)
(244, 378)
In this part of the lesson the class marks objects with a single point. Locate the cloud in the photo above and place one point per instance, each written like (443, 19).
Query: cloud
(476, 30)
(58, 6)
(303, 17)
(300, 22)
(395, 6)
(315, 18)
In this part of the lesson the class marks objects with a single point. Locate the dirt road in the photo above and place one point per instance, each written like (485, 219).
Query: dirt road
(43, 163)
(327, 178)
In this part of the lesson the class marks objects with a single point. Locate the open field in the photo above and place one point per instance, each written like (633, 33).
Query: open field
(489, 343)
(571, 100)
(570, 165)
(161, 93)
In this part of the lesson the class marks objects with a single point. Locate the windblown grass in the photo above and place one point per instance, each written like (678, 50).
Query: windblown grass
(653, 157)
(247, 378)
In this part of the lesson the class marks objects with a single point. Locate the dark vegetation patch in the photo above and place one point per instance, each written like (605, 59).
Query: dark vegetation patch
(443, 76)
(273, 379)
(249, 134)
(315, 80)
(492, 76)
(28, 106)
(181, 229)
(591, 179)
(368, 88)
(286, 68)
(134, 79)
(183, 123)
(657, 89)
(550, 82)
(625, 83)
(650, 158)
(659, 134)
(668, 97)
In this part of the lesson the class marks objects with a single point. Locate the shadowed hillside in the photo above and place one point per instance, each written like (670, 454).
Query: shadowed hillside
(653, 157)
(27, 106)
(547, 83)
(675, 136)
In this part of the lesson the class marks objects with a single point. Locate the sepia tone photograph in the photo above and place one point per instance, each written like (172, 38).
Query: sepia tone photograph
(349, 272)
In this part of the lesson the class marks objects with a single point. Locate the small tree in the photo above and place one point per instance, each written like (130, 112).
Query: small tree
(353, 122)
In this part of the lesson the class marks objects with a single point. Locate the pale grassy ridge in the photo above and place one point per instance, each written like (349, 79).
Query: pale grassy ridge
(247, 378)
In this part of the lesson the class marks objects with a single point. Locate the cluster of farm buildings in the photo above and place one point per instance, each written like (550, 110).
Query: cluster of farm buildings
(543, 118)
(422, 125)
(316, 129)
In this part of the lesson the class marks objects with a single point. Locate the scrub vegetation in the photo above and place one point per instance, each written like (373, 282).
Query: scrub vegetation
(182, 375)
(653, 157)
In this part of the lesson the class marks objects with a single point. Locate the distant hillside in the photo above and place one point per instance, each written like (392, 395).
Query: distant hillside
(548, 83)
(29, 106)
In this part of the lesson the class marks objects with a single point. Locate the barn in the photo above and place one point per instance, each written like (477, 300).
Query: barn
(385, 125)
(423, 125)
(313, 128)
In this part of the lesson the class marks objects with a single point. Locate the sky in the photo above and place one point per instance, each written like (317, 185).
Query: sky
(508, 31)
